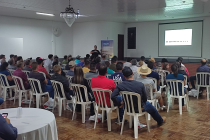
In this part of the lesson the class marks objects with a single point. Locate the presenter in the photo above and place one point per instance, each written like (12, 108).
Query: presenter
(95, 52)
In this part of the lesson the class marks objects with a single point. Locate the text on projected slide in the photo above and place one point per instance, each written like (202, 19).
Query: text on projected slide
(178, 37)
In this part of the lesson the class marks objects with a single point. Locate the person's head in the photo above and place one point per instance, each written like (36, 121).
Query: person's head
(107, 64)
(144, 71)
(28, 62)
(179, 59)
(141, 63)
(69, 57)
(103, 69)
(142, 58)
(65, 57)
(119, 66)
(87, 63)
(152, 60)
(174, 69)
(78, 75)
(55, 57)
(34, 66)
(2, 56)
(40, 61)
(15, 57)
(159, 65)
(19, 58)
(128, 59)
(78, 57)
(57, 69)
(165, 66)
(92, 67)
(2, 61)
(150, 64)
(50, 56)
(127, 73)
(4, 66)
(37, 59)
(95, 47)
(98, 60)
(178, 64)
(103, 56)
(11, 56)
(11, 62)
(164, 60)
(87, 56)
(134, 62)
(203, 61)
(72, 65)
(114, 60)
(55, 63)
(20, 65)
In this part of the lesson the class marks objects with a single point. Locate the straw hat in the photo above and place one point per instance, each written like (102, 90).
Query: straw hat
(152, 59)
(144, 70)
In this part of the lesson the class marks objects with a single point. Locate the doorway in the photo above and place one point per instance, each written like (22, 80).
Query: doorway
(120, 47)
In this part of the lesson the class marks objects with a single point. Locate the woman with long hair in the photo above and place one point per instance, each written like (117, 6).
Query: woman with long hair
(175, 75)
(79, 79)
(166, 66)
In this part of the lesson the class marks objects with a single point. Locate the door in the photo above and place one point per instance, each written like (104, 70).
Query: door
(120, 47)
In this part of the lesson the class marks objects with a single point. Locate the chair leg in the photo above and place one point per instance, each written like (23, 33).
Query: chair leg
(118, 116)
(102, 116)
(20, 97)
(96, 114)
(172, 102)
(74, 107)
(187, 101)
(59, 106)
(130, 121)
(198, 91)
(207, 92)
(123, 124)
(5, 93)
(109, 120)
(169, 100)
(64, 104)
(146, 115)
(180, 106)
(37, 100)
(54, 105)
(135, 126)
(31, 97)
(83, 113)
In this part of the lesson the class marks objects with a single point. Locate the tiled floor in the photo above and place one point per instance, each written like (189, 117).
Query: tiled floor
(191, 125)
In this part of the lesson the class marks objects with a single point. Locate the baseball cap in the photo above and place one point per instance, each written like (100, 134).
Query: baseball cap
(127, 71)
(72, 63)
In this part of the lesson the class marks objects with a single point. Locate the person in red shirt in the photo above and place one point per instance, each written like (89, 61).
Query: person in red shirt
(41, 68)
(104, 83)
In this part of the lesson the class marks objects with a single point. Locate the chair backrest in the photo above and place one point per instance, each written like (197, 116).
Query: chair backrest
(108, 75)
(35, 85)
(117, 82)
(149, 87)
(18, 82)
(100, 97)
(69, 78)
(161, 79)
(129, 98)
(89, 81)
(167, 72)
(173, 86)
(11, 71)
(58, 87)
(66, 71)
(185, 77)
(43, 74)
(155, 81)
(78, 94)
(3, 80)
(26, 72)
(202, 78)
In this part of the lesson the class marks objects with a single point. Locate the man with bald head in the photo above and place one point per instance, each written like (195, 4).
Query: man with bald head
(202, 68)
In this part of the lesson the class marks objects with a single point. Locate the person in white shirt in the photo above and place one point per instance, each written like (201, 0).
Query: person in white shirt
(48, 63)
(134, 65)
(128, 63)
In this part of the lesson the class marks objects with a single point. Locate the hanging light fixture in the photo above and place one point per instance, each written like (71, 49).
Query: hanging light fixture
(69, 15)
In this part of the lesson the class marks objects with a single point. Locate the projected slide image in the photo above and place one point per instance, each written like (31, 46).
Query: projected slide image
(180, 37)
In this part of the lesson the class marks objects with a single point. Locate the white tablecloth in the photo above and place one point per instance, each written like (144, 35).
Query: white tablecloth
(35, 124)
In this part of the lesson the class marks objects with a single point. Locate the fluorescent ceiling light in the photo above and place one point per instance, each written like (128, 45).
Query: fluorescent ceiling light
(181, 7)
(45, 14)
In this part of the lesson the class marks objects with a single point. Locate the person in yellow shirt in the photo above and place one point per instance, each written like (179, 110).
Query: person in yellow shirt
(86, 68)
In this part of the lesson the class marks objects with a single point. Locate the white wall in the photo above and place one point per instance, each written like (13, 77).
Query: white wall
(88, 34)
(147, 38)
(38, 38)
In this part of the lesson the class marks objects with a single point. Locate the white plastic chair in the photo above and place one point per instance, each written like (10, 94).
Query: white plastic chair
(43, 74)
(20, 88)
(69, 78)
(202, 80)
(117, 82)
(102, 105)
(37, 91)
(155, 81)
(173, 89)
(185, 77)
(57, 96)
(108, 75)
(26, 72)
(79, 100)
(129, 110)
(167, 72)
(5, 85)
(66, 71)
(11, 71)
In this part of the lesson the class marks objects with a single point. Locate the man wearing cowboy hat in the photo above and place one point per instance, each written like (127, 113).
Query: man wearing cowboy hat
(144, 71)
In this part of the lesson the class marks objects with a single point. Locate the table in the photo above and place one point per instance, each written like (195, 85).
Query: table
(35, 124)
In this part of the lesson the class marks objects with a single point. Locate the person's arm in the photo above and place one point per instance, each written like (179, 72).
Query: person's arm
(144, 94)
(7, 131)
(9, 78)
(92, 51)
(114, 94)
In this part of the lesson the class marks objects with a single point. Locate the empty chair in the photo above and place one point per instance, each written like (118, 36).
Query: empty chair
(20, 88)
(26, 72)
(130, 111)
(202, 80)
(101, 102)
(36, 90)
(173, 89)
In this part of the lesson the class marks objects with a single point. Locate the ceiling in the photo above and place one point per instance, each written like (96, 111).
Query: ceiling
(108, 10)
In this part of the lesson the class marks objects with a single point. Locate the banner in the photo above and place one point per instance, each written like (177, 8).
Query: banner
(107, 48)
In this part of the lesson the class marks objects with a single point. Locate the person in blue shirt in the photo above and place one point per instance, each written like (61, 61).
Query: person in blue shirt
(4, 70)
(77, 60)
(177, 76)
(71, 66)
(118, 76)
(154, 74)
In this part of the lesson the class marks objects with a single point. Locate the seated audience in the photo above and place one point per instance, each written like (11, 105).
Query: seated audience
(181, 70)
(164, 60)
(48, 63)
(81, 63)
(113, 64)
(56, 59)
(79, 79)
(141, 63)
(103, 58)
(71, 66)
(109, 71)
(11, 64)
(42, 69)
(70, 58)
(153, 61)
(166, 66)
(45, 84)
(27, 65)
(128, 63)
(159, 70)
(143, 60)
(20, 58)
(11, 56)
(133, 86)
(177, 76)
(65, 60)
(4, 70)
(104, 83)
(19, 73)
(118, 76)
(134, 65)
(92, 73)
(86, 67)
(154, 74)
(62, 72)
(180, 59)
(77, 60)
